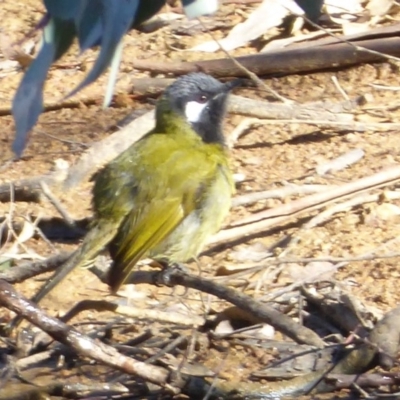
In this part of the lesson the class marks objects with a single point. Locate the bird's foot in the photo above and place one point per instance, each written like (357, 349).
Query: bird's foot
(166, 277)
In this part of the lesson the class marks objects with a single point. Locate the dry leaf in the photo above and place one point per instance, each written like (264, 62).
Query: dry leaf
(254, 252)
(269, 14)
(281, 43)
(381, 213)
(314, 271)
(379, 7)
(341, 162)
(14, 53)
(342, 11)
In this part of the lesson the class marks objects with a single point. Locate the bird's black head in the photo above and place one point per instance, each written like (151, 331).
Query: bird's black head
(200, 100)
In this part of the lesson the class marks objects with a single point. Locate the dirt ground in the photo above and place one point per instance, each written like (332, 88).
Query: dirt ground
(269, 156)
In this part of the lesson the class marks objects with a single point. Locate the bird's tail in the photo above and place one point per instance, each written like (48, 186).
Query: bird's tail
(96, 239)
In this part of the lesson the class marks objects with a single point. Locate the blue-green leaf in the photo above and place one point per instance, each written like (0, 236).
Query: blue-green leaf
(113, 75)
(312, 8)
(89, 24)
(28, 101)
(94, 22)
(117, 17)
(63, 9)
(146, 10)
(64, 35)
(197, 8)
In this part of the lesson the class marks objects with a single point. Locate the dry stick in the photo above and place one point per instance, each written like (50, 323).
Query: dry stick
(371, 255)
(387, 176)
(264, 312)
(264, 220)
(107, 355)
(11, 232)
(167, 349)
(281, 61)
(339, 163)
(104, 151)
(281, 193)
(347, 125)
(52, 228)
(261, 311)
(344, 40)
(133, 312)
(337, 208)
(364, 257)
(82, 344)
(33, 359)
(27, 232)
(319, 110)
(31, 269)
(7, 223)
(241, 129)
(56, 105)
(374, 380)
(274, 62)
(341, 309)
(374, 33)
(57, 204)
(68, 390)
(256, 267)
(339, 88)
(41, 234)
(30, 190)
(127, 311)
(250, 74)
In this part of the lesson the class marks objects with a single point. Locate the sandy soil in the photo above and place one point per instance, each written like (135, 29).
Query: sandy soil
(269, 156)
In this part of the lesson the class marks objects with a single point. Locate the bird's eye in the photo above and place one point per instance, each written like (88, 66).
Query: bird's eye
(202, 98)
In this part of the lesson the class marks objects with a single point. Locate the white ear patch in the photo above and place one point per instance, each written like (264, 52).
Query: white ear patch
(193, 110)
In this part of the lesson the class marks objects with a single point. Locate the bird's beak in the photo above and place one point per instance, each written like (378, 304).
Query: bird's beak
(228, 86)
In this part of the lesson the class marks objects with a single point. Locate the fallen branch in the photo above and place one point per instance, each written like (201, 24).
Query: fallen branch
(341, 381)
(335, 55)
(82, 344)
(52, 228)
(134, 312)
(264, 220)
(66, 390)
(31, 269)
(261, 311)
(326, 214)
(281, 193)
(57, 105)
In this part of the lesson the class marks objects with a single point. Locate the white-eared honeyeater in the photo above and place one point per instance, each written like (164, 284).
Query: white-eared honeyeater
(169, 192)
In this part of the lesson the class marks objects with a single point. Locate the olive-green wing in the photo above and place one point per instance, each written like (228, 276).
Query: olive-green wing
(140, 233)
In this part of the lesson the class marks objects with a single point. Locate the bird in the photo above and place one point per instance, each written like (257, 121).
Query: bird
(165, 195)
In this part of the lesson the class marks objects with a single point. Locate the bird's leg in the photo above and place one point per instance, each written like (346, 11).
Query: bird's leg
(165, 276)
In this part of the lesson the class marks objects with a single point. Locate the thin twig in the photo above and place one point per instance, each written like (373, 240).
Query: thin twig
(250, 74)
(264, 220)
